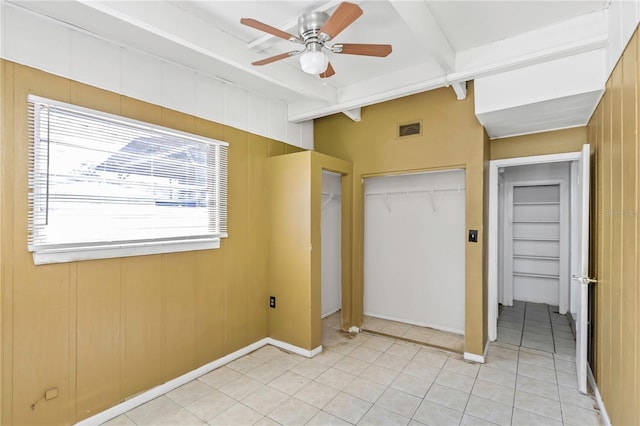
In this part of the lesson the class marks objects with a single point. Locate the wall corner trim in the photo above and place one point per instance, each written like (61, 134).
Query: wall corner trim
(160, 390)
(468, 356)
(291, 348)
(596, 392)
(474, 358)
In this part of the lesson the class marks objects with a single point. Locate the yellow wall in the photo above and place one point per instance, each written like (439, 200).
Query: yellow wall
(290, 262)
(295, 191)
(554, 142)
(102, 331)
(613, 135)
(451, 138)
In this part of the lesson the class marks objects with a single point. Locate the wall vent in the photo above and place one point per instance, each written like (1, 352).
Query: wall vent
(409, 129)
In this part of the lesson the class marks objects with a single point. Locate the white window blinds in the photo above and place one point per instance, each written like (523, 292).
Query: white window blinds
(107, 186)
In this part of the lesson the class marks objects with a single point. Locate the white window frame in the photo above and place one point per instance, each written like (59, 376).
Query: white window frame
(51, 252)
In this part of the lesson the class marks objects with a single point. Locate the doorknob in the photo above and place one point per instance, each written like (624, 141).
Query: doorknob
(584, 280)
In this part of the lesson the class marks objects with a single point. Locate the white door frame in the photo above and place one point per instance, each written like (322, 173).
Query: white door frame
(564, 222)
(492, 232)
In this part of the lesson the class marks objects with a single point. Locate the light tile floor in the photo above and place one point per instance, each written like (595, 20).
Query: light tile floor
(536, 326)
(430, 336)
(374, 380)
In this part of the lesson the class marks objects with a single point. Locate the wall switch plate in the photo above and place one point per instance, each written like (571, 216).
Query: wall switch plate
(473, 235)
(272, 302)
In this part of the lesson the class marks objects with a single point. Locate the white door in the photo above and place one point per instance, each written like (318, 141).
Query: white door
(583, 279)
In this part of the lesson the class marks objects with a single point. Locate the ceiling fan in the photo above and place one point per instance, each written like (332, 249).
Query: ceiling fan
(316, 29)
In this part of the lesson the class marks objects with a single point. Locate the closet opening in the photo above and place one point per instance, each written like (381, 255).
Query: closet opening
(414, 257)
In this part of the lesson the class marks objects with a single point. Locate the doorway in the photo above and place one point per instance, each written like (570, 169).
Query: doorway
(556, 169)
(535, 227)
(578, 242)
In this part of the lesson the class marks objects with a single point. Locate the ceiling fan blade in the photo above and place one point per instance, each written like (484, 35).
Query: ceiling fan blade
(275, 58)
(380, 50)
(250, 22)
(328, 72)
(343, 16)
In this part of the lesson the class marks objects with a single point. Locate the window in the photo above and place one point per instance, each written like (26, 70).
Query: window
(106, 186)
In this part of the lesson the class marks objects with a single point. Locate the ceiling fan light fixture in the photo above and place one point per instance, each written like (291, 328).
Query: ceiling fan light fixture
(314, 62)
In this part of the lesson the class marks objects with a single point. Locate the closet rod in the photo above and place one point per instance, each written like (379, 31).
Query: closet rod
(331, 194)
(416, 191)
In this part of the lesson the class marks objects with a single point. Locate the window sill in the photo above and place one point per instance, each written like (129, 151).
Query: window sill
(63, 255)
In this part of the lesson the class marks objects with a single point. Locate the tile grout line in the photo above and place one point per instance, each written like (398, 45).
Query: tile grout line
(524, 322)
(553, 339)
(422, 399)
(515, 389)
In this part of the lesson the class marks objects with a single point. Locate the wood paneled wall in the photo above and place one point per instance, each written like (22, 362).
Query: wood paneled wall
(102, 331)
(552, 142)
(452, 138)
(613, 135)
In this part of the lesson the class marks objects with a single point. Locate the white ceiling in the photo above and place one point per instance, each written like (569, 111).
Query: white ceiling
(435, 44)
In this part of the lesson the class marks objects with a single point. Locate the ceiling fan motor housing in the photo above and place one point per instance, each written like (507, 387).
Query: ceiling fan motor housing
(309, 26)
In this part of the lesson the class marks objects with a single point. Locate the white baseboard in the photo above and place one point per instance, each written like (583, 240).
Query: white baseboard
(596, 392)
(354, 329)
(478, 358)
(291, 348)
(160, 390)
(474, 357)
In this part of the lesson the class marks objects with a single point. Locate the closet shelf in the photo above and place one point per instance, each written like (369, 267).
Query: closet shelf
(415, 191)
(532, 257)
(331, 195)
(525, 274)
(535, 239)
(536, 221)
(538, 203)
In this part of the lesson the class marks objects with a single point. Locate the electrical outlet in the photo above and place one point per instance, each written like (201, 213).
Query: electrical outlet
(473, 235)
(272, 302)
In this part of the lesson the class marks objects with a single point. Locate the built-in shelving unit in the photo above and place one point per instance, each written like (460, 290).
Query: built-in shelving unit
(536, 236)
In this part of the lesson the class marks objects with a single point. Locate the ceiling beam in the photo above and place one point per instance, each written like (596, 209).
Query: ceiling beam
(428, 35)
(430, 38)
(386, 88)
